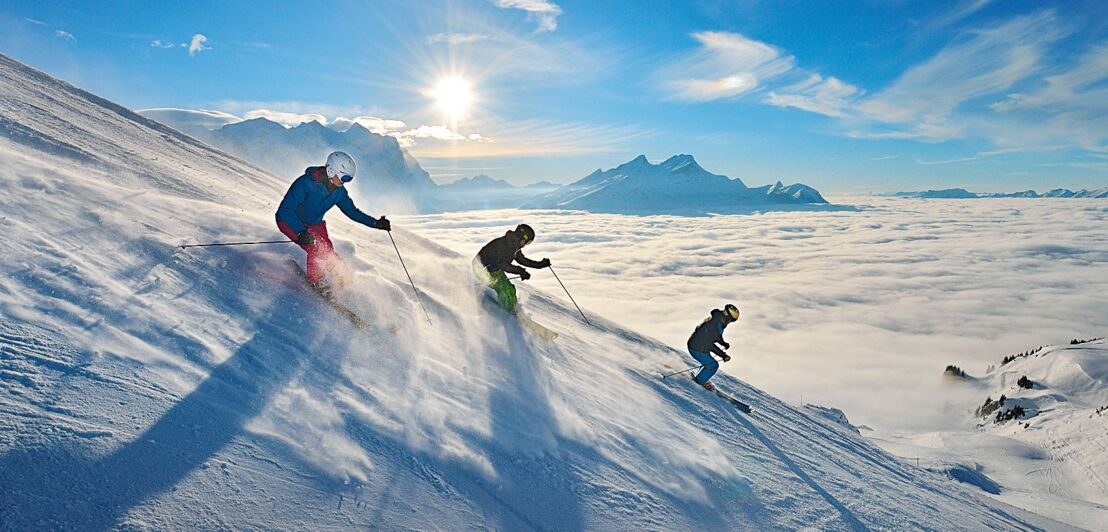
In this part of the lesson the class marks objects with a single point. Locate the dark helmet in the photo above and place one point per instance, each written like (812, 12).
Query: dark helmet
(525, 233)
(731, 311)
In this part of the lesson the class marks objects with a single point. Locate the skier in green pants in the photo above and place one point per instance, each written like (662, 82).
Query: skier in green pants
(494, 262)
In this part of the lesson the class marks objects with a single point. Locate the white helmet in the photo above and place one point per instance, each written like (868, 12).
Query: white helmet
(341, 165)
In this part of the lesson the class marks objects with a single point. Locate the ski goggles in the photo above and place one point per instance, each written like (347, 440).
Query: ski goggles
(732, 311)
(346, 178)
(523, 240)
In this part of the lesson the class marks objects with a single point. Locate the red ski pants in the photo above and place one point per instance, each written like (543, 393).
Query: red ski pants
(321, 256)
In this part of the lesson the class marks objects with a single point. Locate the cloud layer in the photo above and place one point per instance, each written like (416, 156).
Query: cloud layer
(859, 310)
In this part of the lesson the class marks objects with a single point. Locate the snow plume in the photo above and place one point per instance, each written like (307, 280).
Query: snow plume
(202, 118)
(380, 126)
(196, 45)
(285, 118)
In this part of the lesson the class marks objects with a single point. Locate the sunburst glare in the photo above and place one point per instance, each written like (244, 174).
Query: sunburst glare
(453, 96)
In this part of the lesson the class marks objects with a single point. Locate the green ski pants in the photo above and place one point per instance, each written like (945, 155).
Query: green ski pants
(498, 281)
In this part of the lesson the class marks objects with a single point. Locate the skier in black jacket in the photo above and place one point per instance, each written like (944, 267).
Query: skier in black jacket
(703, 342)
(494, 262)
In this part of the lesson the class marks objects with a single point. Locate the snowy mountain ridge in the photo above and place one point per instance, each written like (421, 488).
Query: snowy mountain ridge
(676, 185)
(961, 193)
(148, 387)
(483, 192)
(390, 177)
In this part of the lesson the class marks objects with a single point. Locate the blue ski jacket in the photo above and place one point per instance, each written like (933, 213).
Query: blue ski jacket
(308, 199)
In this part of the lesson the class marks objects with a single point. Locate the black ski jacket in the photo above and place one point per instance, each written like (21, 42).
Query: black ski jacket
(709, 333)
(498, 255)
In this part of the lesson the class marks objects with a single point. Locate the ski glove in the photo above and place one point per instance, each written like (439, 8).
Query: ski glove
(725, 345)
(525, 275)
(544, 263)
(726, 358)
(305, 238)
(384, 224)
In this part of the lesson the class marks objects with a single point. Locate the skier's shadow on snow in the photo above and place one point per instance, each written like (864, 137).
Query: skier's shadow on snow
(852, 522)
(62, 488)
(521, 417)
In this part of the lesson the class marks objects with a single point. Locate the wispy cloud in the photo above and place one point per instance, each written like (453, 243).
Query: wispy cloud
(197, 44)
(65, 35)
(726, 65)
(157, 43)
(35, 21)
(956, 14)
(926, 96)
(826, 96)
(1010, 82)
(456, 38)
(545, 12)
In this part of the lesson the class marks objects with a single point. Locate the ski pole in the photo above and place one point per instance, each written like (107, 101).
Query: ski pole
(682, 371)
(570, 295)
(183, 246)
(425, 313)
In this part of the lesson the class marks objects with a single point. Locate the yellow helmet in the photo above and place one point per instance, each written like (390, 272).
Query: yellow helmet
(732, 311)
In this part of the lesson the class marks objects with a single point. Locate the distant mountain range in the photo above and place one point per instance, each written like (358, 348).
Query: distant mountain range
(391, 180)
(483, 192)
(961, 193)
(677, 185)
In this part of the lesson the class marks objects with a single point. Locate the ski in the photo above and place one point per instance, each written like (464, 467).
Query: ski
(738, 404)
(524, 320)
(743, 407)
(342, 309)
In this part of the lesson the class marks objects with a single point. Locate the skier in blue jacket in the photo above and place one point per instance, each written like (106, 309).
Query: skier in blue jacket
(300, 215)
(702, 343)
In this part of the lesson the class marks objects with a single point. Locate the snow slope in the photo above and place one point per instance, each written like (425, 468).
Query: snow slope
(142, 386)
(676, 185)
(1052, 458)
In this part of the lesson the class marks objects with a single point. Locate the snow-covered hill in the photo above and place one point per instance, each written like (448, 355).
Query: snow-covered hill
(1038, 436)
(146, 387)
(677, 185)
(390, 178)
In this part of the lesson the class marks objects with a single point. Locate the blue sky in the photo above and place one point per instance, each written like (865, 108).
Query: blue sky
(844, 96)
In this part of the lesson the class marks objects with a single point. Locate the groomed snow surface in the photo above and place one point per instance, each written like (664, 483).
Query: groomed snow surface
(1054, 458)
(147, 387)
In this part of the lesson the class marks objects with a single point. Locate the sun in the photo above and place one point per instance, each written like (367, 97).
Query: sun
(453, 96)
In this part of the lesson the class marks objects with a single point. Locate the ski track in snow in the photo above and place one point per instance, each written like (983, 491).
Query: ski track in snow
(145, 387)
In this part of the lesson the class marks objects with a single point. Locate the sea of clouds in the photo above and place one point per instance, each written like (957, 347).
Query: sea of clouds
(859, 310)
